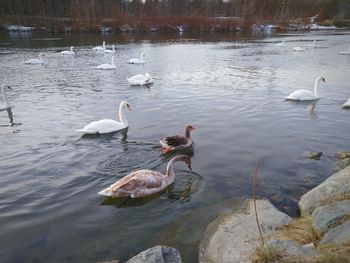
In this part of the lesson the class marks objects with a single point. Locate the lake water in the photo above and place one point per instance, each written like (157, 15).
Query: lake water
(230, 87)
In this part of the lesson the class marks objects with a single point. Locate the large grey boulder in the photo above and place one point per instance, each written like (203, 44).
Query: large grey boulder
(329, 216)
(337, 235)
(334, 187)
(233, 238)
(291, 249)
(157, 254)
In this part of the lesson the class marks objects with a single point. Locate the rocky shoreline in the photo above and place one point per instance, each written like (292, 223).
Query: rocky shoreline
(321, 234)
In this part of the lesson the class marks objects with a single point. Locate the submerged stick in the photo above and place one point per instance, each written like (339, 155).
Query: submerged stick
(254, 200)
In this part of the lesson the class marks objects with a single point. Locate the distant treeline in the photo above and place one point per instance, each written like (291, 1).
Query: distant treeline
(115, 13)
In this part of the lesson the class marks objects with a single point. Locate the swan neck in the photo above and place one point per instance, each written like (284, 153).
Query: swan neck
(4, 95)
(122, 117)
(113, 63)
(317, 82)
(113, 48)
(170, 175)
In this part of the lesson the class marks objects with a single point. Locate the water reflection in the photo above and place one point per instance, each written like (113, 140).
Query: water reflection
(10, 116)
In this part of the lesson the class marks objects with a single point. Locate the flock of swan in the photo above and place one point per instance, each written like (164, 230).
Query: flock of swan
(137, 80)
(143, 183)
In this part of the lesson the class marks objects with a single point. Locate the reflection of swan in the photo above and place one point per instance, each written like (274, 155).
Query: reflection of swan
(109, 50)
(140, 60)
(103, 48)
(346, 52)
(177, 142)
(346, 105)
(107, 66)
(39, 60)
(107, 125)
(6, 104)
(281, 44)
(313, 45)
(306, 94)
(299, 49)
(67, 52)
(143, 183)
(140, 79)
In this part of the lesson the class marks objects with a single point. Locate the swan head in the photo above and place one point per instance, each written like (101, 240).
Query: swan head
(71, 48)
(143, 56)
(322, 79)
(41, 54)
(183, 158)
(125, 104)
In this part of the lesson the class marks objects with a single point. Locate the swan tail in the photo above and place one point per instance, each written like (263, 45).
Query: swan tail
(86, 131)
(106, 192)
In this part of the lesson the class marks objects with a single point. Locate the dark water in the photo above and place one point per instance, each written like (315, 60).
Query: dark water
(230, 88)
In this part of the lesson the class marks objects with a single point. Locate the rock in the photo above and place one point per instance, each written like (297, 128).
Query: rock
(342, 164)
(331, 215)
(157, 254)
(337, 235)
(234, 237)
(291, 249)
(342, 155)
(313, 155)
(334, 187)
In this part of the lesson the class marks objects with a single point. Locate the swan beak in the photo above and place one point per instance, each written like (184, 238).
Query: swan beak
(9, 88)
(129, 108)
(189, 166)
(324, 80)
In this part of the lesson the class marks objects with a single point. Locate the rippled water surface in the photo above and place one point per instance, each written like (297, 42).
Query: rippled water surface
(231, 88)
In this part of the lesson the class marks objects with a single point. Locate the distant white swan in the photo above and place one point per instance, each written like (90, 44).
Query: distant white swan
(313, 45)
(68, 52)
(36, 61)
(281, 44)
(110, 50)
(99, 48)
(6, 104)
(140, 60)
(140, 79)
(346, 105)
(346, 52)
(107, 66)
(306, 95)
(107, 125)
(300, 49)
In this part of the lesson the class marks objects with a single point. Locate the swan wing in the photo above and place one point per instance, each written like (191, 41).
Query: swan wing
(34, 61)
(137, 184)
(102, 126)
(301, 95)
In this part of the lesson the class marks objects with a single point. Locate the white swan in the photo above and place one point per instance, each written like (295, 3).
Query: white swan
(110, 50)
(103, 48)
(68, 52)
(107, 125)
(281, 44)
(346, 52)
(140, 79)
(6, 104)
(313, 45)
(140, 60)
(346, 105)
(107, 66)
(36, 61)
(306, 95)
(300, 49)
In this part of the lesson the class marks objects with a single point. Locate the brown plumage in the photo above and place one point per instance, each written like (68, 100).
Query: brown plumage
(177, 142)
